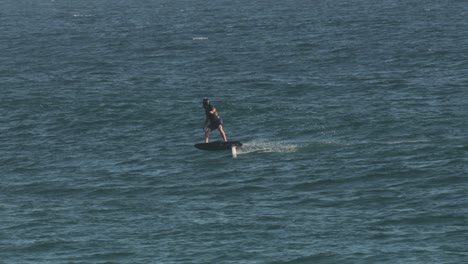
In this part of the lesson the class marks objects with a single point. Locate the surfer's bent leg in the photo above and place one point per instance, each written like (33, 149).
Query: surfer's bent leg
(207, 134)
(221, 130)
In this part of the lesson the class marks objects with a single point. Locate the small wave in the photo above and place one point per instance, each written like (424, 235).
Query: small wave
(267, 147)
(82, 15)
(407, 141)
(199, 38)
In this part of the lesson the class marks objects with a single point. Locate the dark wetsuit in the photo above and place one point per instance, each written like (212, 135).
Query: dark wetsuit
(215, 119)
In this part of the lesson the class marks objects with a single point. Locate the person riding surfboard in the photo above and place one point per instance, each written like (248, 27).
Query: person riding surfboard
(213, 120)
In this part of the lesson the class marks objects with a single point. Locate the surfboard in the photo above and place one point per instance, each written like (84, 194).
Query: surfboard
(218, 145)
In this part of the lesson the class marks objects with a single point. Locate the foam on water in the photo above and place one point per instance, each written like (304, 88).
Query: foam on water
(267, 147)
(82, 15)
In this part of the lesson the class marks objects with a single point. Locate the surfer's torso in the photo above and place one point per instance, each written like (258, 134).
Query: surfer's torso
(212, 117)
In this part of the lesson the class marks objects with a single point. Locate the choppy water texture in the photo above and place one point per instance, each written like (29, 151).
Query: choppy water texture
(353, 116)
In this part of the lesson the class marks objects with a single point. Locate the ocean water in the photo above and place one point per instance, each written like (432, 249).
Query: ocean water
(353, 116)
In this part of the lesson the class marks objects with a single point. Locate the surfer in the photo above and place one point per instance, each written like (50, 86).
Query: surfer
(213, 120)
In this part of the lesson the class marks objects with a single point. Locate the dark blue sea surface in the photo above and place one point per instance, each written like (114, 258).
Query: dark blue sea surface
(353, 116)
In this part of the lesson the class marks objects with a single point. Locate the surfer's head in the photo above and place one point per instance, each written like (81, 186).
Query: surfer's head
(206, 102)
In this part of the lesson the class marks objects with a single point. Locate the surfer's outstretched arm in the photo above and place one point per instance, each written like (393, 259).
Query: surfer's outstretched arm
(213, 110)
